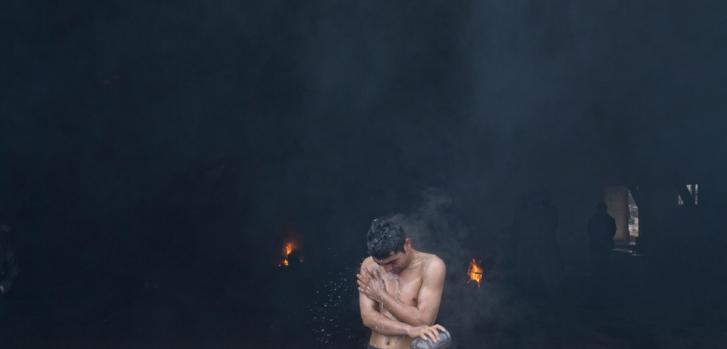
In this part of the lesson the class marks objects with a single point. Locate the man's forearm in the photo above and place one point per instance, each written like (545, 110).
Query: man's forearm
(379, 323)
(406, 313)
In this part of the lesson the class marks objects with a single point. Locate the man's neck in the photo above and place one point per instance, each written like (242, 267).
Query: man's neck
(415, 259)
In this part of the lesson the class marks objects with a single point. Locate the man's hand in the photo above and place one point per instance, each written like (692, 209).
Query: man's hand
(426, 332)
(372, 284)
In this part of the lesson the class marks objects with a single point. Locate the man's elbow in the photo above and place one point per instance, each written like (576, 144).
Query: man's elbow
(424, 320)
(368, 321)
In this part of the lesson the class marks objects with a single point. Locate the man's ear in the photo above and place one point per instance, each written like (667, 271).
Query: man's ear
(407, 244)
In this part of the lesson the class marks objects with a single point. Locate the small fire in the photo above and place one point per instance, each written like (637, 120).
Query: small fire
(475, 272)
(288, 249)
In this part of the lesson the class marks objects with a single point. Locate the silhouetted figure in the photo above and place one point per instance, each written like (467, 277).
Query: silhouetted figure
(8, 272)
(8, 265)
(538, 263)
(601, 230)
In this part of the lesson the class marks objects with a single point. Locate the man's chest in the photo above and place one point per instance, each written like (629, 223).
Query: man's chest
(405, 288)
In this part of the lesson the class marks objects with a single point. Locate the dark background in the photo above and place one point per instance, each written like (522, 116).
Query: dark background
(155, 156)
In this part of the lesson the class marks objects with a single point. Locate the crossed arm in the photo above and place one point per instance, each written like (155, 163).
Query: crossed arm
(411, 320)
(377, 322)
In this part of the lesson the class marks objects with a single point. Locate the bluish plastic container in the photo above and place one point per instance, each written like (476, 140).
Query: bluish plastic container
(445, 340)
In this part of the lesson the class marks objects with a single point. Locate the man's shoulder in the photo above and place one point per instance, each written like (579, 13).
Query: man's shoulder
(368, 260)
(433, 268)
(432, 261)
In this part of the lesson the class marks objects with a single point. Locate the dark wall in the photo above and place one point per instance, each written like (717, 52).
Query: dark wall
(166, 150)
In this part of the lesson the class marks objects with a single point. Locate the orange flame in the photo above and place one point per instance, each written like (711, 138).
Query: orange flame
(288, 248)
(475, 272)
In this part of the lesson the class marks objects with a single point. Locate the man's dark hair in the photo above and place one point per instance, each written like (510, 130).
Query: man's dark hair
(384, 237)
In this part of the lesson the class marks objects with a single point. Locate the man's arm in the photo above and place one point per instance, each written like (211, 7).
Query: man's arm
(429, 298)
(381, 324)
(373, 319)
(377, 322)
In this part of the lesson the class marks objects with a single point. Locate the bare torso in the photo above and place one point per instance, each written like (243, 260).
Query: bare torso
(405, 286)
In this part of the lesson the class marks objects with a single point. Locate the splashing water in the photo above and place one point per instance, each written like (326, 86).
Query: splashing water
(329, 309)
(393, 286)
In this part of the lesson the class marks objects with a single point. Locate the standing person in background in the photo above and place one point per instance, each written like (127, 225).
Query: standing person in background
(8, 272)
(8, 264)
(601, 230)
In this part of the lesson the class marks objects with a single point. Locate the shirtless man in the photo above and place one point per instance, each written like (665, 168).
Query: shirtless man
(400, 288)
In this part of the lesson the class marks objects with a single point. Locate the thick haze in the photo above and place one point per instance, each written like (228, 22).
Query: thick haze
(160, 145)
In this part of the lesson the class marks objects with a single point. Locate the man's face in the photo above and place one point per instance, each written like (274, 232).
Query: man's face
(396, 261)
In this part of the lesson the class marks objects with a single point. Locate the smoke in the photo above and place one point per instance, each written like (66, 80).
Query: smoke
(467, 311)
(147, 137)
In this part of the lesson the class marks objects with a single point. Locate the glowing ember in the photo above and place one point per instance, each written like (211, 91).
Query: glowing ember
(288, 248)
(475, 272)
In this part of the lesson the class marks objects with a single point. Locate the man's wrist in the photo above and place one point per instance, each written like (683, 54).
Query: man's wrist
(409, 329)
(380, 297)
